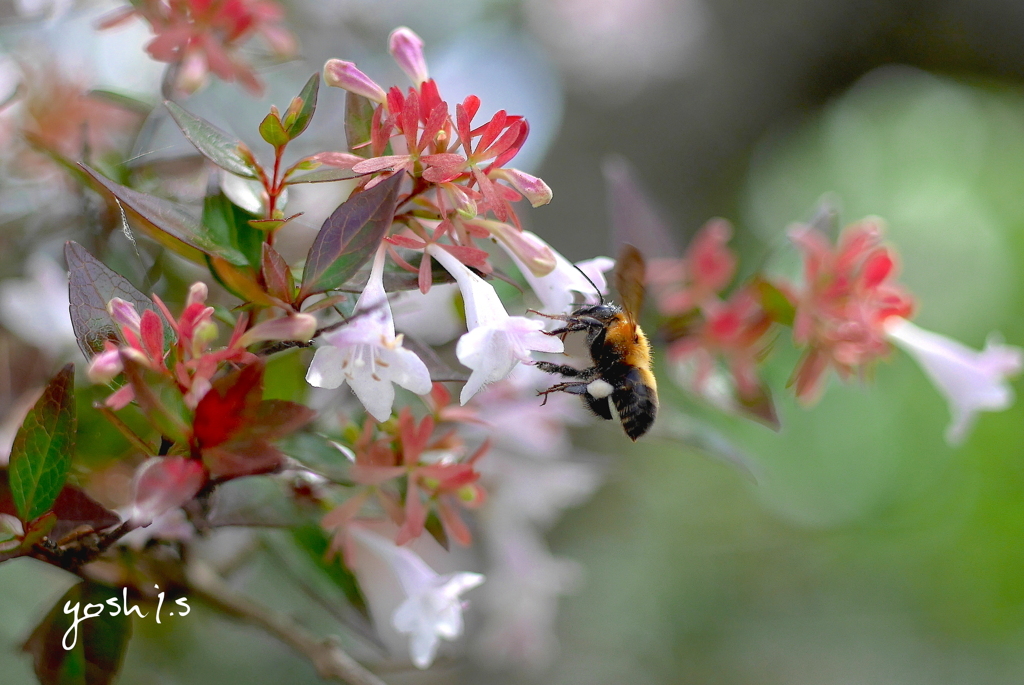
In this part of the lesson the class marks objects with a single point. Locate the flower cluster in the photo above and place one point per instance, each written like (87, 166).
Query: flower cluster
(204, 36)
(458, 167)
(207, 403)
(846, 312)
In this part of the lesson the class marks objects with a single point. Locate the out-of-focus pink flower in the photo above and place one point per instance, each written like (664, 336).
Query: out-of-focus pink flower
(848, 293)
(680, 285)
(733, 330)
(162, 484)
(971, 381)
(204, 36)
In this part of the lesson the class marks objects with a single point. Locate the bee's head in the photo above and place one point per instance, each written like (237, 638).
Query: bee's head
(602, 312)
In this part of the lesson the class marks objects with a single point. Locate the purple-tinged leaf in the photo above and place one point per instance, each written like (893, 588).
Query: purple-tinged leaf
(300, 112)
(41, 454)
(91, 285)
(635, 217)
(358, 121)
(167, 223)
(325, 175)
(214, 144)
(99, 643)
(277, 277)
(350, 236)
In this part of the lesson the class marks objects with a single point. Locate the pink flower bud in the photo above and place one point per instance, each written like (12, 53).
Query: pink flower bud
(164, 483)
(341, 74)
(106, 365)
(534, 189)
(124, 314)
(292, 327)
(407, 49)
(197, 293)
(341, 160)
(533, 252)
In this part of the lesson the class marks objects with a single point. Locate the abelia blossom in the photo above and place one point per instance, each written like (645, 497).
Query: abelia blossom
(971, 381)
(204, 36)
(428, 467)
(367, 354)
(459, 169)
(841, 308)
(556, 287)
(432, 608)
(496, 342)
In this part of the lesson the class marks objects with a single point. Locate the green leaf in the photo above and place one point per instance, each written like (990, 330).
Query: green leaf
(300, 112)
(358, 121)
(775, 302)
(41, 454)
(273, 131)
(168, 223)
(91, 285)
(214, 144)
(313, 540)
(228, 226)
(100, 645)
(350, 236)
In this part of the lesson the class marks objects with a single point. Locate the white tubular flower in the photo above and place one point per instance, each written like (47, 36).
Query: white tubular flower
(496, 342)
(367, 354)
(432, 608)
(555, 290)
(971, 381)
(35, 308)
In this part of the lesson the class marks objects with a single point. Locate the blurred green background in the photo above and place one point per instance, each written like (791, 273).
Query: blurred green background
(863, 550)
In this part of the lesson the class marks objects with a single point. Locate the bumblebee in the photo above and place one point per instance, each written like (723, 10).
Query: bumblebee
(619, 350)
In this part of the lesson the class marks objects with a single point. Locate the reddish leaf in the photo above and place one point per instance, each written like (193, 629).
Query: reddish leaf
(350, 236)
(229, 403)
(277, 277)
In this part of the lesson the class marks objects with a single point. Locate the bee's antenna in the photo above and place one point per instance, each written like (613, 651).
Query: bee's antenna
(596, 289)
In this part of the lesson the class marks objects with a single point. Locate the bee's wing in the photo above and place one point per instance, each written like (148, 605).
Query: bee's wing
(630, 273)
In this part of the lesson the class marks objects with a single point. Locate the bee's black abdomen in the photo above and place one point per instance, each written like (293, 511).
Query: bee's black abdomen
(637, 405)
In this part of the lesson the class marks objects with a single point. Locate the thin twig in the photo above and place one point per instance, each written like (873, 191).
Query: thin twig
(326, 655)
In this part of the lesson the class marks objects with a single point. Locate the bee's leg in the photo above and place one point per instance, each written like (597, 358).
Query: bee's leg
(556, 317)
(566, 370)
(582, 323)
(573, 388)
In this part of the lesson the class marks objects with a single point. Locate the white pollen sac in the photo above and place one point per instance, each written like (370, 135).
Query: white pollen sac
(599, 389)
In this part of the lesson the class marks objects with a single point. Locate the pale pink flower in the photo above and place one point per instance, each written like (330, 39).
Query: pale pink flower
(432, 608)
(367, 354)
(971, 381)
(496, 342)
